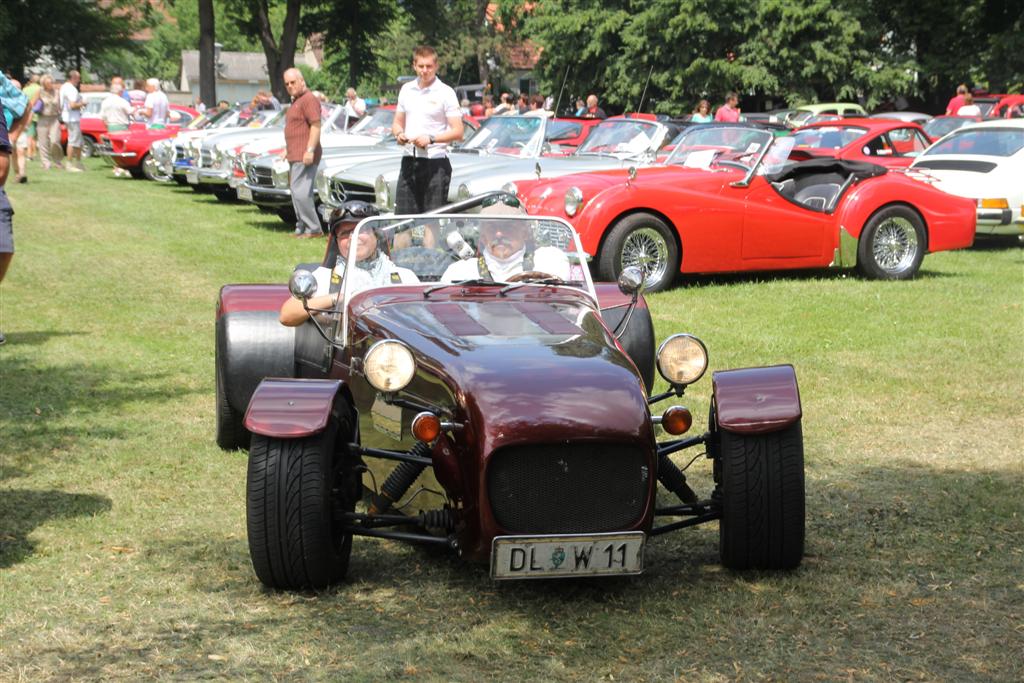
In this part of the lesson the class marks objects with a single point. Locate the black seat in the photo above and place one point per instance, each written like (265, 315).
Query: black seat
(818, 196)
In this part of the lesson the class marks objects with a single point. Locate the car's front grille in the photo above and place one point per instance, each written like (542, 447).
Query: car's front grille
(568, 488)
(179, 153)
(342, 192)
(205, 158)
(260, 175)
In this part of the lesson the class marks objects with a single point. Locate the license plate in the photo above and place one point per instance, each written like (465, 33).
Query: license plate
(561, 555)
(192, 176)
(244, 193)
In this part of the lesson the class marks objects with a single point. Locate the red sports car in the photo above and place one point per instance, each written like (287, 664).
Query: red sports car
(887, 142)
(94, 128)
(727, 199)
(130, 149)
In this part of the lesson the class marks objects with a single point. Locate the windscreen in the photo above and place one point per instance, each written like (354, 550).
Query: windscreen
(716, 146)
(826, 137)
(993, 142)
(623, 139)
(513, 136)
(376, 125)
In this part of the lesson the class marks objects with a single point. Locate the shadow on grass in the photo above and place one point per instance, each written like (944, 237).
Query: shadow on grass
(688, 281)
(46, 407)
(21, 511)
(997, 243)
(33, 337)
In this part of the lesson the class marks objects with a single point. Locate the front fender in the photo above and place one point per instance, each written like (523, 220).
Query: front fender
(291, 408)
(756, 400)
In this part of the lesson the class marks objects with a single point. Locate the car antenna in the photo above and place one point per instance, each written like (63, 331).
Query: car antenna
(640, 107)
(562, 89)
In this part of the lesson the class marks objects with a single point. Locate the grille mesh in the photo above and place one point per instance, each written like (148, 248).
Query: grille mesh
(567, 488)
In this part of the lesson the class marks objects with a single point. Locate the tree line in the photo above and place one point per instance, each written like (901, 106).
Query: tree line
(665, 53)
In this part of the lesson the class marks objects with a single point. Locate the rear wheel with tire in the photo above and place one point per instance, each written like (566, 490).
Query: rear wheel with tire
(761, 479)
(642, 240)
(892, 244)
(294, 492)
(231, 434)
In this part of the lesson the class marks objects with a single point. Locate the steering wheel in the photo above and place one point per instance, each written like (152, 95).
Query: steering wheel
(535, 276)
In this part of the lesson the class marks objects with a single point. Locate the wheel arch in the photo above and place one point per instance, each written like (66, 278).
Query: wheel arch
(296, 408)
(849, 243)
(626, 213)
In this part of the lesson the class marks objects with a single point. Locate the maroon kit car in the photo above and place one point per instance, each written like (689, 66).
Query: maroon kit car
(728, 199)
(886, 142)
(507, 420)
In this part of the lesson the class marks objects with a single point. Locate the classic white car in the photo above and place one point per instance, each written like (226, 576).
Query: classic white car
(984, 162)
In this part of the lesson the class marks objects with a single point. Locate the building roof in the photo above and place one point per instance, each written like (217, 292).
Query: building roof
(243, 67)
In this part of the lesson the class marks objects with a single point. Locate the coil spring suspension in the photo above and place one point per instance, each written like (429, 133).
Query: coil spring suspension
(443, 519)
(673, 479)
(399, 481)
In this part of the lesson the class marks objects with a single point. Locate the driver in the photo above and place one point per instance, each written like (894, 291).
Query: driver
(373, 266)
(506, 248)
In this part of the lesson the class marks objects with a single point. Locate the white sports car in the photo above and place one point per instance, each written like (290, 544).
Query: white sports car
(984, 162)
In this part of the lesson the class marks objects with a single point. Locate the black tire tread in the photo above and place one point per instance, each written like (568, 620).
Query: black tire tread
(762, 524)
(288, 513)
(231, 434)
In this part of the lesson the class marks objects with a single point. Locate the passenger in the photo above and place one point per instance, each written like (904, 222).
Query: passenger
(506, 248)
(375, 268)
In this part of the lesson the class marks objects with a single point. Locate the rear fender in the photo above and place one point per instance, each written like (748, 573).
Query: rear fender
(756, 400)
(637, 340)
(294, 408)
(251, 342)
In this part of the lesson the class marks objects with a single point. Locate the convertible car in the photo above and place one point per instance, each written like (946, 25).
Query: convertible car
(132, 149)
(888, 142)
(509, 422)
(728, 199)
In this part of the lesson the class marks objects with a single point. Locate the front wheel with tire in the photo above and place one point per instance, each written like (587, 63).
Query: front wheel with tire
(151, 170)
(892, 244)
(642, 240)
(88, 147)
(761, 478)
(294, 492)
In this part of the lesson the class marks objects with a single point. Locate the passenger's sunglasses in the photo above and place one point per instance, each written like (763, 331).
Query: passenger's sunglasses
(505, 198)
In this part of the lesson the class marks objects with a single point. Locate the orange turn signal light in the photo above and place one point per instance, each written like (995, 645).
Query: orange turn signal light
(426, 427)
(677, 420)
(993, 204)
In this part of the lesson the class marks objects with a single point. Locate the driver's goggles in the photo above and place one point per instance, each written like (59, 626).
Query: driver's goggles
(505, 198)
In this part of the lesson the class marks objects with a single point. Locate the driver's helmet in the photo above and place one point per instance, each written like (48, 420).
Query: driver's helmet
(344, 218)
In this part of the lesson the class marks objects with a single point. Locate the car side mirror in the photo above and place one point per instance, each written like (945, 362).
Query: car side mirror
(302, 284)
(631, 281)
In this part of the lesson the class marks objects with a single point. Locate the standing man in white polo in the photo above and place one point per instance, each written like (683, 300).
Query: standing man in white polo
(71, 105)
(427, 118)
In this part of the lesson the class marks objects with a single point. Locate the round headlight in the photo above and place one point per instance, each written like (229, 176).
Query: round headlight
(323, 187)
(511, 188)
(682, 359)
(282, 178)
(389, 366)
(573, 200)
(463, 192)
(382, 192)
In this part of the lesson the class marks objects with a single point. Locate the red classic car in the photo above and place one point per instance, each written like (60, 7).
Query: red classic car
(131, 149)
(94, 128)
(728, 199)
(887, 142)
(517, 410)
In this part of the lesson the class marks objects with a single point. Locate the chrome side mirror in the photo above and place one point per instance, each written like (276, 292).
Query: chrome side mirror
(631, 280)
(302, 284)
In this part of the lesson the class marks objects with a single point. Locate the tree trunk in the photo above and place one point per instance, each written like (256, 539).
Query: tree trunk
(207, 67)
(280, 55)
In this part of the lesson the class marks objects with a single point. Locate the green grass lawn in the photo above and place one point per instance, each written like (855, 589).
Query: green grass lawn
(122, 526)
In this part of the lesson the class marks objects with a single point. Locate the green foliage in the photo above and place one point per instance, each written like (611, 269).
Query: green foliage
(68, 31)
